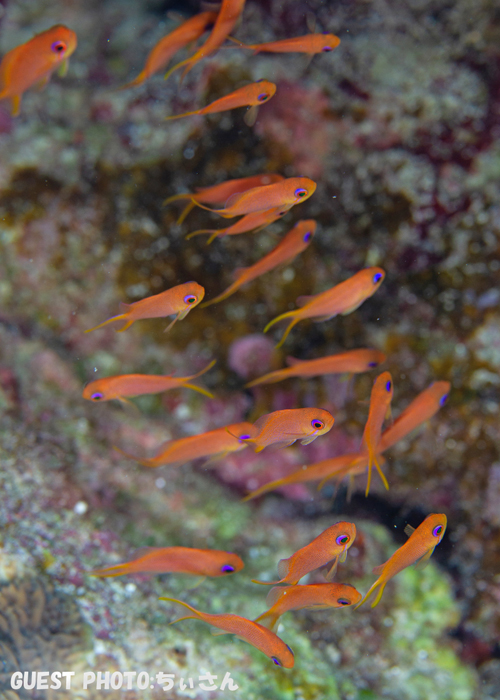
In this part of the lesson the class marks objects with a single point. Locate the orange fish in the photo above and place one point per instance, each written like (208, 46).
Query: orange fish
(215, 444)
(250, 222)
(282, 194)
(227, 17)
(330, 546)
(418, 548)
(178, 300)
(180, 560)
(160, 55)
(380, 408)
(293, 243)
(310, 44)
(341, 299)
(124, 385)
(251, 95)
(219, 194)
(34, 62)
(352, 361)
(284, 427)
(315, 596)
(257, 635)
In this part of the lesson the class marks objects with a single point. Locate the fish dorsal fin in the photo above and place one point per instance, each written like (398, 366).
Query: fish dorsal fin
(274, 594)
(283, 567)
(409, 530)
(239, 272)
(292, 361)
(232, 199)
(304, 299)
(124, 307)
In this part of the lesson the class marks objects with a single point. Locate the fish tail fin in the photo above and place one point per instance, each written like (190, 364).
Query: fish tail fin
(287, 331)
(127, 325)
(270, 486)
(189, 207)
(369, 478)
(266, 583)
(176, 67)
(196, 615)
(145, 462)
(199, 389)
(136, 81)
(269, 378)
(216, 233)
(202, 206)
(227, 293)
(370, 592)
(381, 473)
(175, 197)
(202, 371)
(112, 571)
(109, 320)
(279, 318)
(268, 619)
(184, 114)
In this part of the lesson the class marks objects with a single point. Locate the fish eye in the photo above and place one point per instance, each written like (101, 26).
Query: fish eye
(437, 530)
(317, 424)
(263, 97)
(373, 364)
(308, 237)
(290, 650)
(388, 386)
(377, 277)
(343, 601)
(59, 47)
(97, 396)
(443, 400)
(190, 299)
(342, 539)
(227, 569)
(276, 661)
(327, 48)
(300, 192)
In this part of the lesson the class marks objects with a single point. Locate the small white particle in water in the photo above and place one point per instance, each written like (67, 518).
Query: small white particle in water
(188, 153)
(160, 483)
(422, 654)
(388, 622)
(130, 588)
(288, 275)
(95, 369)
(80, 508)
(182, 411)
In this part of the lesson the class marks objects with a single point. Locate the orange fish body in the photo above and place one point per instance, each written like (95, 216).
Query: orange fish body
(257, 635)
(419, 547)
(315, 596)
(380, 408)
(34, 62)
(250, 222)
(330, 546)
(125, 385)
(180, 560)
(160, 55)
(251, 95)
(282, 194)
(310, 44)
(293, 243)
(215, 444)
(219, 194)
(227, 17)
(341, 299)
(284, 427)
(178, 300)
(352, 362)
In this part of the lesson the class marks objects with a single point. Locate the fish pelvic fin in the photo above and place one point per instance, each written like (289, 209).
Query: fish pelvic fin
(110, 320)
(172, 322)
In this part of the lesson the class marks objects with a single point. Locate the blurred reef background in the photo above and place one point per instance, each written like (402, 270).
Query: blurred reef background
(400, 127)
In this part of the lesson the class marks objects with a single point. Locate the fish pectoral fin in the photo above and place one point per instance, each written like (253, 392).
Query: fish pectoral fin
(330, 575)
(63, 69)
(251, 115)
(197, 580)
(409, 530)
(176, 318)
(126, 402)
(42, 83)
(15, 105)
(423, 561)
(310, 438)
(352, 308)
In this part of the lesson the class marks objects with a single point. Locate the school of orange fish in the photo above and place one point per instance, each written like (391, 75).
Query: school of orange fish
(259, 200)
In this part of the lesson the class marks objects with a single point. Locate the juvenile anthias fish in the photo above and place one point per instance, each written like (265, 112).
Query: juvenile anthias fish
(160, 55)
(341, 299)
(215, 444)
(293, 243)
(283, 428)
(126, 385)
(227, 17)
(351, 362)
(380, 408)
(250, 222)
(32, 64)
(309, 44)
(418, 548)
(283, 194)
(257, 635)
(330, 546)
(315, 596)
(180, 560)
(178, 300)
(251, 95)
(219, 194)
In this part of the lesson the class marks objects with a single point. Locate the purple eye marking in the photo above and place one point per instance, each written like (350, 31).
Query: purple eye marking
(263, 97)
(96, 396)
(437, 530)
(327, 48)
(377, 278)
(245, 437)
(290, 650)
(300, 192)
(260, 80)
(275, 661)
(373, 364)
(227, 569)
(308, 237)
(189, 299)
(317, 424)
(388, 386)
(342, 539)
(443, 400)
(343, 601)
(58, 47)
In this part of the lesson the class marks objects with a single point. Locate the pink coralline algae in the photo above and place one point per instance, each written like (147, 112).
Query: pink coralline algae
(251, 355)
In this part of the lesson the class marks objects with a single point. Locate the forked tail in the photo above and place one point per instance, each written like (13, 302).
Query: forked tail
(110, 320)
(288, 314)
(216, 233)
(196, 615)
(268, 619)
(145, 462)
(370, 591)
(117, 570)
(229, 291)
